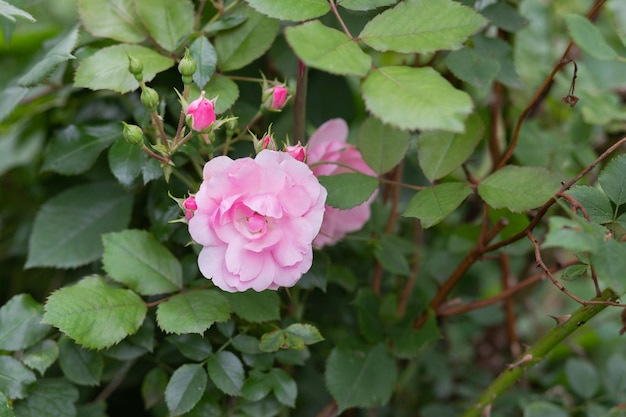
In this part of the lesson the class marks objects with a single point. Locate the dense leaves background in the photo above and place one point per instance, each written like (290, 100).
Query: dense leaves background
(498, 148)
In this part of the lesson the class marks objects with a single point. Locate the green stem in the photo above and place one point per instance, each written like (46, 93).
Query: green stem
(299, 105)
(536, 354)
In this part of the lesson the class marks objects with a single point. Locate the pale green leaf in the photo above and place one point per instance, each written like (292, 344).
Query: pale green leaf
(223, 23)
(360, 377)
(307, 332)
(504, 16)
(6, 409)
(79, 365)
(381, 145)
(519, 188)
(582, 377)
(284, 387)
(256, 387)
(20, 145)
(115, 19)
(609, 262)
(434, 204)
(108, 68)
(193, 311)
(348, 190)
(440, 152)
(20, 323)
(243, 44)
(51, 397)
(255, 307)
(473, 67)
(415, 98)
(226, 372)
(225, 90)
(574, 234)
(14, 377)
(10, 12)
(613, 181)
(41, 356)
(588, 37)
(595, 202)
(203, 53)
(9, 100)
(294, 10)
(327, 49)
(544, 409)
(67, 228)
(168, 22)
(185, 388)
(57, 51)
(94, 314)
(421, 26)
(126, 162)
(137, 259)
(365, 4)
(74, 149)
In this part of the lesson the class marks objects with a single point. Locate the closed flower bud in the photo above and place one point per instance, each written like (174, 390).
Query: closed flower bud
(187, 67)
(275, 98)
(201, 114)
(133, 134)
(190, 206)
(297, 151)
(135, 67)
(266, 142)
(149, 98)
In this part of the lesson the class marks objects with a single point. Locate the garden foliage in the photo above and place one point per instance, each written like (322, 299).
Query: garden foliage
(312, 208)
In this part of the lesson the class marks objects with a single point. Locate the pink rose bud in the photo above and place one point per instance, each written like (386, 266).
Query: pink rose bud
(190, 206)
(201, 113)
(266, 142)
(275, 97)
(297, 151)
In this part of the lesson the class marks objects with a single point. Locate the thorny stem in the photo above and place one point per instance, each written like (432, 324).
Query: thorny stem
(536, 353)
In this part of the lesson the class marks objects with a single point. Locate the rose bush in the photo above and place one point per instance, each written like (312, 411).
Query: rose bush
(330, 154)
(256, 220)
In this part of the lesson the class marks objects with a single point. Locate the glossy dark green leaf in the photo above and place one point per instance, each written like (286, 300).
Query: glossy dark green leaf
(185, 388)
(226, 91)
(49, 398)
(434, 204)
(193, 311)
(167, 22)
(79, 365)
(153, 387)
(115, 19)
(226, 372)
(381, 145)
(126, 162)
(348, 190)
(192, 346)
(20, 323)
(203, 53)
(255, 307)
(67, 228)
(391, 256)
(14, 377)
(368, 306)
(284, 387)
(256, 387)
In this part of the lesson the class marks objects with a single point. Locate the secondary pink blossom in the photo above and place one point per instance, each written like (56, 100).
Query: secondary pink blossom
(275, 97)
(202, 113)
(190, 206)
(328, 144)
(256, 220)
(297, 151)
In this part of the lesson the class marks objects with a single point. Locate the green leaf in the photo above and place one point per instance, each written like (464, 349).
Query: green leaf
(588, 37)
(9, 11)
(19, 145)
(185, 388)
(439, 152)
(293, 10)
(360, 377)
(408, 343)
(135, 345)
(20, 323)
(382, 146)
(504, 16)
(108, 68)
(115, 19)
(595, 202)
(14, 377)
(256, 387)
(226, 372)
(473, 67)
(327, 49)
(573, 234)
(225, 90)
(609, 262)
(10, 98)
(58, 51)
(192, 346)
(612, 180)
(223, 23)
(367, 306)
(501, 51)
(126, 162)
(415, 98)
(284, 387)
(241, 45)
(97, 409)
(307, 332)
(421, 26)
(135, 258)
(273, 341)
(81, 366)
(391, 256)
(6, 410)
(544, 409)
(41, 356)
(168, 22)
(348, 190)
(255, 307)
(49, 398)
(153, 387)
(519, 188)
(205, 56)
(364, 4)
(433, 204)
(67, 228)
(616, 373)
(74, 149)
(193, 312)
(94, 314)
(582, 377)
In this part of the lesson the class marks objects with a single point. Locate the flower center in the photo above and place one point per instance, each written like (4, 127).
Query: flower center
(256, 223)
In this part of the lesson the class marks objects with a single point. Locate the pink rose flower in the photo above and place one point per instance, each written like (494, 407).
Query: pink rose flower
(201, 111)
(256, 220)
(328, 144)
(275, 97)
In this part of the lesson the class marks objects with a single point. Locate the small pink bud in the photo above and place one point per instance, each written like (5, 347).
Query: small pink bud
(275, 98)
(266, 142)
(190, 206)
(297, 151)
(201, 111)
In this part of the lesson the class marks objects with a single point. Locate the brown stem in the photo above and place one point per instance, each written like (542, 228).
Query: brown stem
(333, 6)
(509, 311)
(410, 283)
(299, 104)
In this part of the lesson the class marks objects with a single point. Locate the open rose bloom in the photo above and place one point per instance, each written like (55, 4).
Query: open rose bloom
(328, 144)
(256, 220)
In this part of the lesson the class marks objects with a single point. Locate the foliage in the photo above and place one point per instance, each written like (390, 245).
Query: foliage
(495, 131)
